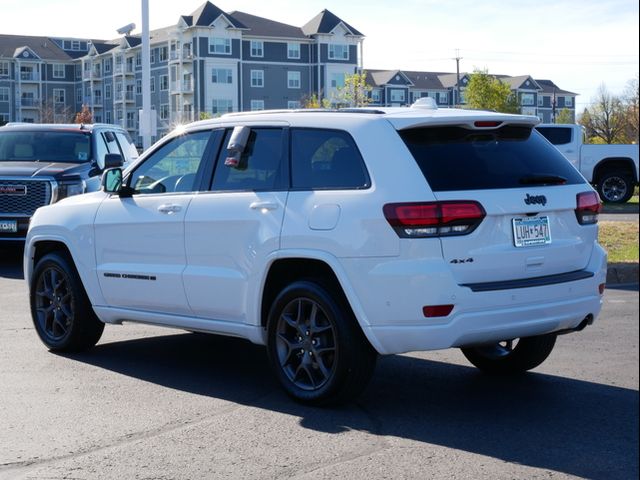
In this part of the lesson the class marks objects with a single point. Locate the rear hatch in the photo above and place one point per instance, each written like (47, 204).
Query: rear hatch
(521, 196)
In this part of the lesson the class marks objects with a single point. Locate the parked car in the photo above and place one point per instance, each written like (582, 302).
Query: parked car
(331, 237)
(612, 169)
(43, 163)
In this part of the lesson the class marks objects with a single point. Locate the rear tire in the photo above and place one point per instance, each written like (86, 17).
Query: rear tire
(60, 309)
(512, 356)
(615, 187)
(316, 347)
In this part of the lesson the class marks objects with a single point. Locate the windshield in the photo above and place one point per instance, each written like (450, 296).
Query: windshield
(41, 146)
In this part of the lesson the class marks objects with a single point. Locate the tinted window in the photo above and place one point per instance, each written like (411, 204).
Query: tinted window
(557, 136)
(53, 146)
(260, 166)
(326, 159)
(174, 167)
(129, 149)
(456, 158)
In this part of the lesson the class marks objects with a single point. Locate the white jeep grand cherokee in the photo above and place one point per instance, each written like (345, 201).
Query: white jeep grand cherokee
(331, 237)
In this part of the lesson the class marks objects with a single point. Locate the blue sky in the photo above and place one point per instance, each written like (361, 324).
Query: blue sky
(579, 44)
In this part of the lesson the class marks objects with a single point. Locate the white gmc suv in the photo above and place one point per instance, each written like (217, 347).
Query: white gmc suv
(331, 237)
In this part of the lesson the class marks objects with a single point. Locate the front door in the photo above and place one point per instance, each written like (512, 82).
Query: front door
(140, 249)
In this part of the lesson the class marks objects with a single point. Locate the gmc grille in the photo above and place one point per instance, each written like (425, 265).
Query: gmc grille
(38, 194)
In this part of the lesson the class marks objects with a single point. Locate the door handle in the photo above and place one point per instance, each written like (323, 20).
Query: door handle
(169, 209)
(263, 206)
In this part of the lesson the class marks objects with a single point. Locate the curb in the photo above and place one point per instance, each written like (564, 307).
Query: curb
(622, 273)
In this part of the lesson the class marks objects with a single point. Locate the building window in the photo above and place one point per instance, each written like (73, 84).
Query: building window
(164, 112)
(222, 106)
(293, 50)
(152, 56)
(293, 79)
(568, 101)
(375, 96)
(152, 84)
(257, 78)
(4, 94)
(417, 95)
(443, 97)
(107, 117)
(293, 104)
(107, 66)
(257, 105)
(107, 92)
(337, 80)
(221, 75)
(79, 95)
(396, 95)
(540, 100)
(58, 70)
(4, 69)
(138, 59)
(257, 48)
(527, 99)
(75, 45)
(138, 87)
(58, 96)
(163, 54)
(338, 52)
(164, 82)
(220, 45)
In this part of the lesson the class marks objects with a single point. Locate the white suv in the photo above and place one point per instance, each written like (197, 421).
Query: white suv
(330, 237)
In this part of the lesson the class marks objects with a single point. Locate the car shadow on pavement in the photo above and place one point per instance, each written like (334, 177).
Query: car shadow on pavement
(561, 424)
(11, 262)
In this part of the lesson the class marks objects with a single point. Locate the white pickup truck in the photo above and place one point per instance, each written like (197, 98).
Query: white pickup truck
(612, 169)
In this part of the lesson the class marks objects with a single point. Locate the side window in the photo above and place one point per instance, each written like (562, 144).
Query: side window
(261, 164)
(101, 150)
(174, 167)
(557, 136)
(326, 159)
(126, 144)
(110, 140)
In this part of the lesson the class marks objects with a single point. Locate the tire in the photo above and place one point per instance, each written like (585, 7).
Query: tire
(615, 187)
(316, 347)
(60, 309)
(512, 356)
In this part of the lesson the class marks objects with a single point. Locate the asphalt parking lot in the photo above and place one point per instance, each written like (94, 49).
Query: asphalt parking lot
(151, 403)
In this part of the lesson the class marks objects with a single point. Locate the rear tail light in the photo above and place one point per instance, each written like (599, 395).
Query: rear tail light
(588, 208)
(434, 219)
(430, 311)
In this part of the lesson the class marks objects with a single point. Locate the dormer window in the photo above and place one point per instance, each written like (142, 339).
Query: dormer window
(338, 52)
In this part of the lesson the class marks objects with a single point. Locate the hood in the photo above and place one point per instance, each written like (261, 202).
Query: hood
(41, 169)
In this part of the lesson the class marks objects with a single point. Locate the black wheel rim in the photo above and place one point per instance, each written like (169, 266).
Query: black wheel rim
(306, 344)
(499, 350)
(53, 303)
(614, 189)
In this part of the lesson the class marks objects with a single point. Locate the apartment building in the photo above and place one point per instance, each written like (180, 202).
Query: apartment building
(542, 98)
(209, 62)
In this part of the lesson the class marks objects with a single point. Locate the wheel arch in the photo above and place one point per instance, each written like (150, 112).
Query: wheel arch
(310, 265)
(624, 164)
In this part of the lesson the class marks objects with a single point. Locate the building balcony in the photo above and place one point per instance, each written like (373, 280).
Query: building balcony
(91, 75)
(181, 56)
(123, 70)
(128, 97)
(29, 77)
(30, 102)
(186, 86)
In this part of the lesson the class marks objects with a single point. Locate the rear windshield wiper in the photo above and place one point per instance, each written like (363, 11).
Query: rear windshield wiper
(542, 179)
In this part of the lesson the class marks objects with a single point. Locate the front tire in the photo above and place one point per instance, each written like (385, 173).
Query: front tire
(60, 309)
(316, 348)
(511, 356)
(615, 187)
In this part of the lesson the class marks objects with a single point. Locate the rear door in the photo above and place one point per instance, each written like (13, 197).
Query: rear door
(527, 189)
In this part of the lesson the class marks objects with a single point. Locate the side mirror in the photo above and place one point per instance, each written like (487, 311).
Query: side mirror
(113, 160)
(112, 180)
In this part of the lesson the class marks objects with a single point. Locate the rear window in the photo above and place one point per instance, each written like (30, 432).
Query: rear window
(557, 136)
(54, 146)
(456, 158)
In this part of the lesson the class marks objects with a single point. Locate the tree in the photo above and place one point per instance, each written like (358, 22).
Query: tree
(312, 101)
(630, 104)
(565, 116)
(52, 112)
(355, 92)
(84, 115)
(486, 92)
(606, 117)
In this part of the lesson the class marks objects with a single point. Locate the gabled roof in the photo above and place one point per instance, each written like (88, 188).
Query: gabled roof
(378, 78)
(133, 41)
(325, 22)
(263, 27)
(518, 81)
(102, 47)
(549, 87)
(208, 13)
(43, 47)
(426, 80)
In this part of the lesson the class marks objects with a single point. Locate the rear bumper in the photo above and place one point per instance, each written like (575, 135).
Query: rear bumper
(396, 291)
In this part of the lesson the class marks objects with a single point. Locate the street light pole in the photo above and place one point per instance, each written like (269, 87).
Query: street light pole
(145, 114)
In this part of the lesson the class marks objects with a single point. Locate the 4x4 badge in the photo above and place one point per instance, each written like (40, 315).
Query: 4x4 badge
(535, 199)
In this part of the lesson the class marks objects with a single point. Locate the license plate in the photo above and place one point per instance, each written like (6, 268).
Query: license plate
(8, 226)
(531, 231)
